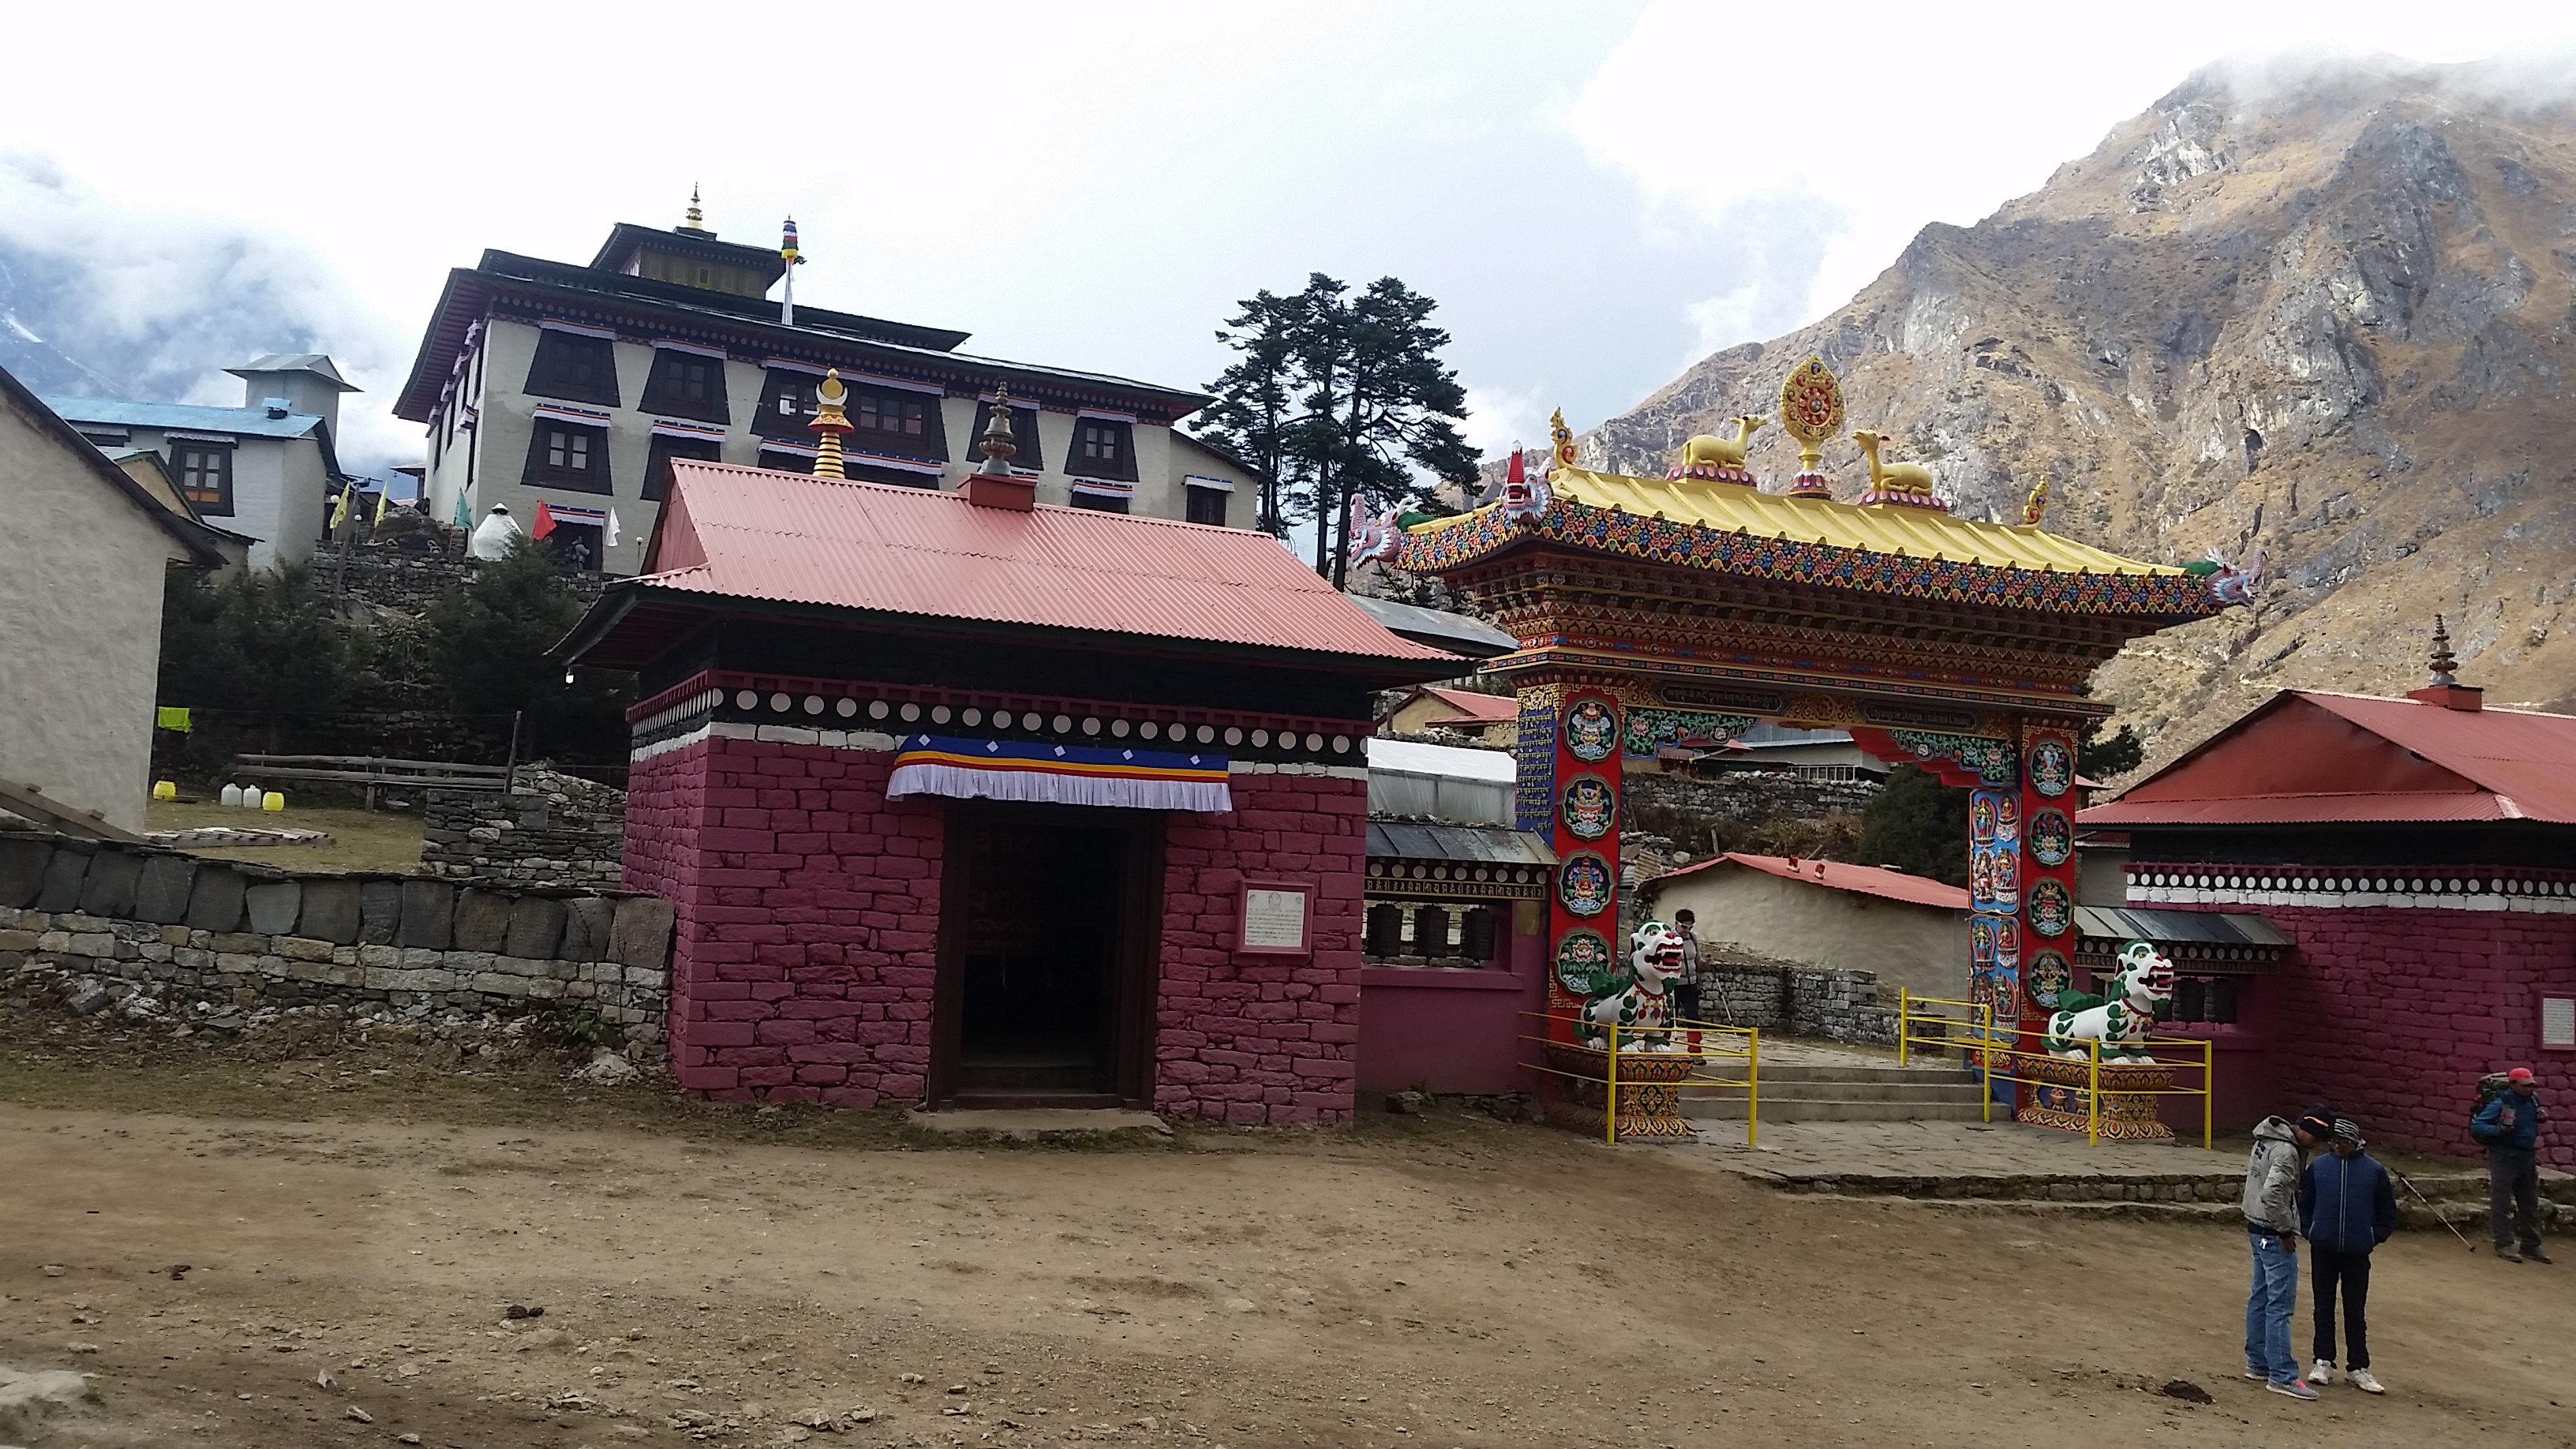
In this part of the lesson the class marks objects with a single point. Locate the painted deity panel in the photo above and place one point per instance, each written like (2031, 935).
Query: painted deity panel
(2052, 767)
(1591, 731)
(1584, 965)
(2052, 910)
(2049, 975)
(1588, 807)
(1583, 885)
(2052, 837)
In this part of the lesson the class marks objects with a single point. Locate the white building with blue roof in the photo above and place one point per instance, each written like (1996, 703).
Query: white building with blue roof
(265, 470)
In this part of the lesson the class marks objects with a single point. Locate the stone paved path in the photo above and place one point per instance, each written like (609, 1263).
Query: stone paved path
(1854, 1153)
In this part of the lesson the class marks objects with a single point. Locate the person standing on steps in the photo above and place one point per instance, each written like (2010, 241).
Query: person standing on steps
(2271, 1207)
(2509, 1124)
(2347, 1206)
(1686, 985)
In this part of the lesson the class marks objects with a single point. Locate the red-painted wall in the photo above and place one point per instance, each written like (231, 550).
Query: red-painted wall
(804, 958)
(2391, 1014)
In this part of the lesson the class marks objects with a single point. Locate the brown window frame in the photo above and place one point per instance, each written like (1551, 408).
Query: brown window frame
(657, 461)
(867, 406)
(554, 371)
(550, 468)
(785, 385)
(667, 389)
(220, 455)
(1198, 499)
(1086, 459)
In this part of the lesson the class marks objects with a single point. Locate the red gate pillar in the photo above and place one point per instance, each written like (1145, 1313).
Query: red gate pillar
(1568, 757)
(2047, 869)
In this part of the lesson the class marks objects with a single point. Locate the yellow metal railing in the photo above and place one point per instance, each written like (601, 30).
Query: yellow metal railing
(1682, 1041)
(1981, 1041)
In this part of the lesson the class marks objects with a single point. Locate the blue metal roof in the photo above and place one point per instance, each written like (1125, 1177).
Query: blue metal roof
(188, 417)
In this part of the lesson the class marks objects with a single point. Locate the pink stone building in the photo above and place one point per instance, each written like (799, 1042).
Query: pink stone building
(2420, 853)
(972, 802)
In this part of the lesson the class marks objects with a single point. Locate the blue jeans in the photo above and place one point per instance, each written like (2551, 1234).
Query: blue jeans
(2268, 1305)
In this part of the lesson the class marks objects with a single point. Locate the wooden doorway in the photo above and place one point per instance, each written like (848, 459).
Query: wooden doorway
(1050, 931)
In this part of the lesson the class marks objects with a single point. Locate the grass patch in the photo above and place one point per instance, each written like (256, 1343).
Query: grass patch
(361, 840)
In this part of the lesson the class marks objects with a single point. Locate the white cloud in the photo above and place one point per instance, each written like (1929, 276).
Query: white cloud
(1499, 417)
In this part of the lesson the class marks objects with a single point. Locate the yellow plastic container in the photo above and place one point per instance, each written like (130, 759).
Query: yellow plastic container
(165, 789)
(273, 801)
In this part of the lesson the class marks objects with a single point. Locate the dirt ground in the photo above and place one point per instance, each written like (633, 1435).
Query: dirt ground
(741, 1278)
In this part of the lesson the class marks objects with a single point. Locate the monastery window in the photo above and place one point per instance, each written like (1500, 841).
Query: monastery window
(1207, 505)
(562, 455)
(1104, 502)
(1103, 448)
(574, 367)
(657, 464)
(687, 385)
(786, 405)
(205, 473)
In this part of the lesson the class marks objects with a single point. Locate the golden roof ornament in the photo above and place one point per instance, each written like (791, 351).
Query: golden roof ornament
(2035, 505)
(1903, 485)
(1715, 459)
(830, 421)
(1561, 441)
(1811, 411)
(997, 446)
(697, 220)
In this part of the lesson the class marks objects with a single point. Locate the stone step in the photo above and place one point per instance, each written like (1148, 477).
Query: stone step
(1830, 1109)
(1864, 1091)
(1839, 1072)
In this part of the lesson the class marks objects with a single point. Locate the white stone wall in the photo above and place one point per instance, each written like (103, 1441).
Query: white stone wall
(1923, 949)
(81, 570)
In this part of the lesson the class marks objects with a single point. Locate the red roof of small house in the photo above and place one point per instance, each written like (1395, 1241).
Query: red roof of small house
(1473, 708)
(2313, 757)
(1871, 880)
(801, 542)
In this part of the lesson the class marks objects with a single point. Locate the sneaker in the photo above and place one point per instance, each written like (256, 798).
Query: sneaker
(2535, 1255)
(2258, 1376)
(2321, 1372)
(2295, 1388)
(2506, 1253)
(2361, 1379)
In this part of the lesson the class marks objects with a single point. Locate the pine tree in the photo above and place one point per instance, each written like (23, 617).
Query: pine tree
(488, 646)
(1918, 825)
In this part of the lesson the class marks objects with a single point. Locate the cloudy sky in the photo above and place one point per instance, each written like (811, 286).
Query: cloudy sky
(1597, 194)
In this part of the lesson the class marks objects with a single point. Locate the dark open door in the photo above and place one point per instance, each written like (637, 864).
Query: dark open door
(1050, 929)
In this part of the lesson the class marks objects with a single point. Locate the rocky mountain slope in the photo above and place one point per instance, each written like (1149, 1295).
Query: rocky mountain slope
(2327, 313)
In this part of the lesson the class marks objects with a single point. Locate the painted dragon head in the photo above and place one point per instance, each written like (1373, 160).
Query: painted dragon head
(1656, 956)
(2144, 977)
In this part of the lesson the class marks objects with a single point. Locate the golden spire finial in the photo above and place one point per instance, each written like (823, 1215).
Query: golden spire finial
(831, 422)
(2037, 504)
(997, 446)
(697, 219)
(1562, 437)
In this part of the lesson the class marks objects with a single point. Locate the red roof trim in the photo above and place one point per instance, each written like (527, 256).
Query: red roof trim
(1872, 880)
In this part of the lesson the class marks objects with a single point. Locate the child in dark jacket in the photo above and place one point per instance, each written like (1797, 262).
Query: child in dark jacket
(2347, 1206)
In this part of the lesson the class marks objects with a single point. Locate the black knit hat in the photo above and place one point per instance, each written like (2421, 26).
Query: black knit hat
(2317, 1122)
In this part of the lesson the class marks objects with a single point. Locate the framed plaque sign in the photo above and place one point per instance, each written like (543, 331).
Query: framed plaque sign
(1274, 919)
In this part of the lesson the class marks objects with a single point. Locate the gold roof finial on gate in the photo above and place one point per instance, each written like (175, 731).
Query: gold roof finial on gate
(1811, 411)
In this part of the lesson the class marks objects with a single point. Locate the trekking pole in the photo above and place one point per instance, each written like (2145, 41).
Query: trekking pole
(2428, 1207)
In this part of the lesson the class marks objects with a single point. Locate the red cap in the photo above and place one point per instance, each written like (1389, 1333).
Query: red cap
(2518, 1074)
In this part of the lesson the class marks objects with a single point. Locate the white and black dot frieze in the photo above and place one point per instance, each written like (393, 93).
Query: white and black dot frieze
(2440, 887)
(1287, 741)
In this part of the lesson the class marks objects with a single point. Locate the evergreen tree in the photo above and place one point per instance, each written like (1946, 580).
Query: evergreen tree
(1918, 825)
(2100, 759)
(488, 644)
(1340, 397)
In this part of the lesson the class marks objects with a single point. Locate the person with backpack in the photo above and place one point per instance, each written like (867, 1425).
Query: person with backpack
(2271, 1207)
(2508, 1122)
(2347, 1206)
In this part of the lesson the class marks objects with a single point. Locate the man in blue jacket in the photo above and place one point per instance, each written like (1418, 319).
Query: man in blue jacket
(2509, 1125)
(2346, 1208)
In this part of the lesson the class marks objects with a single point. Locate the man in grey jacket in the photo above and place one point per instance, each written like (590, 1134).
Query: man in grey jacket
(2271, 1207)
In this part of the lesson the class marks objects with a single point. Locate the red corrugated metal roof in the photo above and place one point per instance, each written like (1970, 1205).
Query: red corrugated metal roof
(790, 538)
(1482, 708)
(2275, 766)
(1873, 880)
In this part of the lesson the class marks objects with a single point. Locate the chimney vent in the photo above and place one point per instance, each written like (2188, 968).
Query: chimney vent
(277, 407)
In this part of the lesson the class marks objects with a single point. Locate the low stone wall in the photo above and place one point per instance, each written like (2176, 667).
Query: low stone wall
(96, 924)
(550, 829)
(1747, 796)
(1835, 1005)
(408, 582)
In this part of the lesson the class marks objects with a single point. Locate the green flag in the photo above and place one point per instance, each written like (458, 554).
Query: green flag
(463, 519)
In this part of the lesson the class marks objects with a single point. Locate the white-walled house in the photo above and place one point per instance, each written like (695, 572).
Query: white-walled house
(81, 569)
(266, 470)
(1912, 931)
(577, 386)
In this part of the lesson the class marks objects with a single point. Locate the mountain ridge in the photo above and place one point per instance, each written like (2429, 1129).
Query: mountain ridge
(2326, 314)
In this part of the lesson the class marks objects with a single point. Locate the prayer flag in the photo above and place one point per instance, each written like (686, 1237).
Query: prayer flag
(463, 518)
(340, 510)
(171, 717)
(545, 522)
(612, 528)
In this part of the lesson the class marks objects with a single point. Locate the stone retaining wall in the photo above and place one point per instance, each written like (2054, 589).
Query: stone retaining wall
(550, 829)
(1835, 1005)
(95, 923)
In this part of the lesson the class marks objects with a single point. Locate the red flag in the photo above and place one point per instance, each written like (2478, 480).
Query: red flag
(545, 521)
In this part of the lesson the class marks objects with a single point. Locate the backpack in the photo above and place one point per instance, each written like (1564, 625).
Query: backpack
(2490, 1087)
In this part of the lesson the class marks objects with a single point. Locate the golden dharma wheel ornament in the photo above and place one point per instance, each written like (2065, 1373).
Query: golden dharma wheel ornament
(1811, 409)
